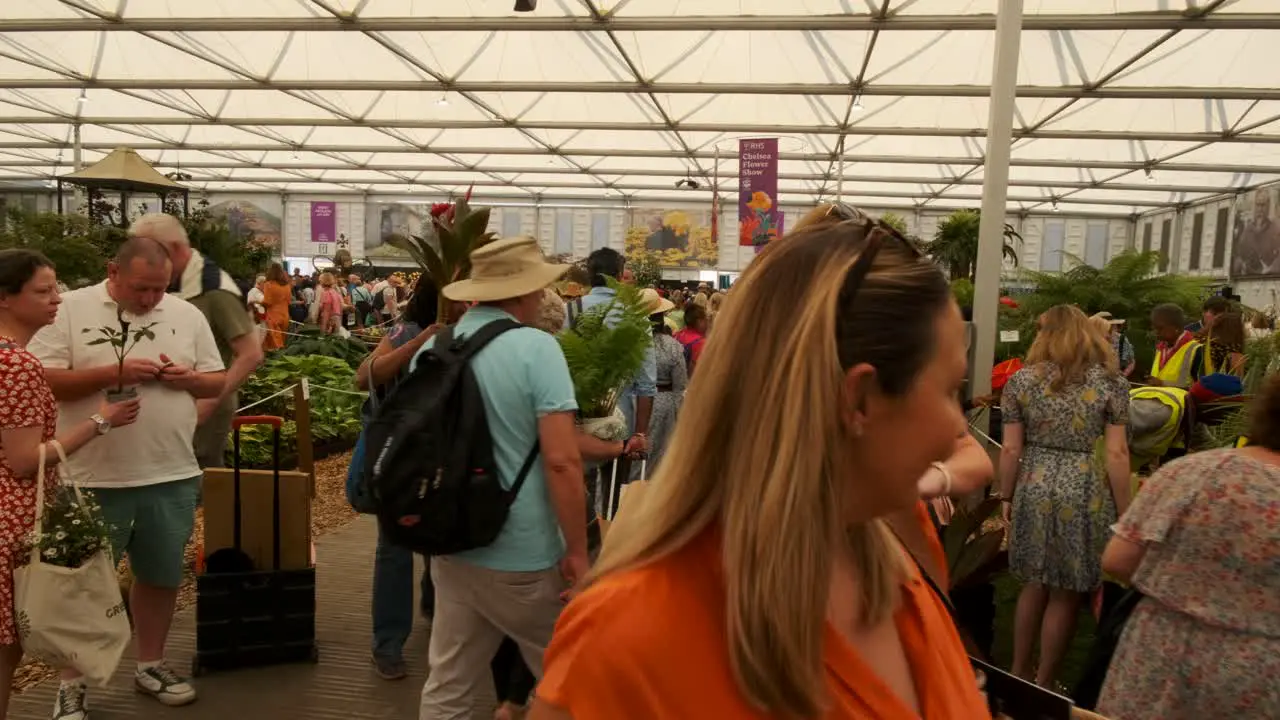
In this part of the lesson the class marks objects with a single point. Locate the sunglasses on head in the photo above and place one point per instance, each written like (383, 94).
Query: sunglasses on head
(877, 230)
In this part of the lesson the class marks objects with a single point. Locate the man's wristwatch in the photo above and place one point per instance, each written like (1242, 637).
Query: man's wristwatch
(103, 425)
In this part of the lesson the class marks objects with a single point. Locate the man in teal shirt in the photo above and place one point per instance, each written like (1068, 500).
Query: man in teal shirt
(513, 587)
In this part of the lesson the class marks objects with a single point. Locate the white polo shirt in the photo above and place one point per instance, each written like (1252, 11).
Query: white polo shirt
(158, 447)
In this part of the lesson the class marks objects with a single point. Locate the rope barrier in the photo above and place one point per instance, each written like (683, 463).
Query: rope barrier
(360, 393)
(272, 396)
(311, 385)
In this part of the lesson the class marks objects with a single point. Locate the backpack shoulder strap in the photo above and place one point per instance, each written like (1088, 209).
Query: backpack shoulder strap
(210, 276)
(524, 473)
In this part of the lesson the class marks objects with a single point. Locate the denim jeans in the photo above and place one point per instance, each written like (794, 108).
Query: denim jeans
(393, 598)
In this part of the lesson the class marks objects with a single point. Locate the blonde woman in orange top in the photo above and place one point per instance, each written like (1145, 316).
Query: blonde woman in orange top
(757, 577)
(277, 293)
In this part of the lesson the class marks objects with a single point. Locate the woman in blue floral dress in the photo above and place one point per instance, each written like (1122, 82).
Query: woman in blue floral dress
(1202, 543)
(1061, 508)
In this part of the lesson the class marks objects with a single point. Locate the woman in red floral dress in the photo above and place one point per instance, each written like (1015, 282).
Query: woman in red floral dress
(28, 419)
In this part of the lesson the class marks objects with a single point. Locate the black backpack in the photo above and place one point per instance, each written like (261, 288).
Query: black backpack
(380, 301)
(429, 459)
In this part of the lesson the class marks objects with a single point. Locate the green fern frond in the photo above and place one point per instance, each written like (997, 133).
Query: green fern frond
(606, 348)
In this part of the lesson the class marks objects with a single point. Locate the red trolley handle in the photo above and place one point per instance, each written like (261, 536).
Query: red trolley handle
(274, 421)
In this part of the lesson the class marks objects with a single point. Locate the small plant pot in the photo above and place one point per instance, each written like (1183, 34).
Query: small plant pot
(115, 396)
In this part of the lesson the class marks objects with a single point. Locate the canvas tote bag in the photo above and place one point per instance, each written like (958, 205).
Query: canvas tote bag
(70, 618)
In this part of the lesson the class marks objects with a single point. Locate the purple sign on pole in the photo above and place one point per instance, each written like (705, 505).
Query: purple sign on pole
(324, 222)
(757, 191)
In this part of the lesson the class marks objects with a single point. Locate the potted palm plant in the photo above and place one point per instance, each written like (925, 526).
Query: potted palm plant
(604, 350)
(444, 248)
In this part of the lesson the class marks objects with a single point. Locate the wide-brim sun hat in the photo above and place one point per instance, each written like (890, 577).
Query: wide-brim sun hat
(505, 269)
(655, 302)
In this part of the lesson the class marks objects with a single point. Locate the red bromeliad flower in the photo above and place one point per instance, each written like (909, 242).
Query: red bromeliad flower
(443, 212)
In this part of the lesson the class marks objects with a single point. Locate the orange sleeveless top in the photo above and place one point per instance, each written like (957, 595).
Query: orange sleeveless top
(652, 643)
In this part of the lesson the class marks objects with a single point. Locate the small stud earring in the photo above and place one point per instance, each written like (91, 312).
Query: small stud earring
(857, 430)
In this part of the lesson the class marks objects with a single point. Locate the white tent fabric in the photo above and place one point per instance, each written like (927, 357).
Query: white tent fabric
(1123, 105)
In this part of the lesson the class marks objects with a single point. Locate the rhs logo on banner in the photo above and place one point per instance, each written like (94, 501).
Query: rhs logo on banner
(324, 222)
(757, 191)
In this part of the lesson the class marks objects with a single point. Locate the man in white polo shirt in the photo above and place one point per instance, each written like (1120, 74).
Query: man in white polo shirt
(145, 476)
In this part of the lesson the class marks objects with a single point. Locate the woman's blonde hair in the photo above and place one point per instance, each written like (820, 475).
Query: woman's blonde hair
(326, 279)
(768, 469)
(1071, 342)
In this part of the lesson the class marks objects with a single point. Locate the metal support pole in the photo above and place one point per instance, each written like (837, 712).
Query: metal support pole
(840, 172)
(1175, 243)
(995, 174)
(77, 164)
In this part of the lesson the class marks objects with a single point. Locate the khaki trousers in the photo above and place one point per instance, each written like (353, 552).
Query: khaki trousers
(475, 608)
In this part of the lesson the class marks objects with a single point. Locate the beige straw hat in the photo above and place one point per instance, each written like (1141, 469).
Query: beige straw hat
(504, 269)
(655, 302)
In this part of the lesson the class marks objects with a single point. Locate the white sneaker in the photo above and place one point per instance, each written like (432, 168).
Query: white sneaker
(70, 704)
(164, 685)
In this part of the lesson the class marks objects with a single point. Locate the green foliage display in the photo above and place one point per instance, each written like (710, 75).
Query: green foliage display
(335, 416)
(1128, 287)
(646, 267)
(240, 256)
(895, 221)
(78, 248)
(606, 348)
(314, 342)
(962, 289)
(955, 244)
(444, 249)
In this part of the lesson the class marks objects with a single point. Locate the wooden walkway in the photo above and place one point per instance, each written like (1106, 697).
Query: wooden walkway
(341, 686)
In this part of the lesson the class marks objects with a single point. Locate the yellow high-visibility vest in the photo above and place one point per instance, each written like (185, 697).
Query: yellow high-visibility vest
(1177, 371)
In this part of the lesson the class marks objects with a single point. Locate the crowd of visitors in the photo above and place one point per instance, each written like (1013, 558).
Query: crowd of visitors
(779, 554)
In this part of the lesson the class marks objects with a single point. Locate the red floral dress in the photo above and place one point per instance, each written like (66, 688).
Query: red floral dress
(25, 401)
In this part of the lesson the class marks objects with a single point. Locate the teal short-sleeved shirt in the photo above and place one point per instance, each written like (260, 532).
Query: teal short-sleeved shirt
(522, 376)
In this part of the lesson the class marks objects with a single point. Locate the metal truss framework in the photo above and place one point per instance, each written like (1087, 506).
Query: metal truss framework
(881, 102)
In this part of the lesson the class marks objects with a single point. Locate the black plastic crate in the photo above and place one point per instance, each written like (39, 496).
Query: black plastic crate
(246, 617)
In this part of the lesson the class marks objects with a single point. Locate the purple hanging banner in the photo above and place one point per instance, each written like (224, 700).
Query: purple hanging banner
(324, 222)
(757, 191)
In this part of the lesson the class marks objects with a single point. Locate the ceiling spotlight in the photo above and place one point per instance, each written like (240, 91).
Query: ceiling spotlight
(857, 103)
(84, 97)
(687, 184)
(1055, 206)
(526, 5)
(1151, 176)
(443, 101)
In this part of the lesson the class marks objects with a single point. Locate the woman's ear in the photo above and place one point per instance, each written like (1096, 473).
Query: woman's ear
(859, 384)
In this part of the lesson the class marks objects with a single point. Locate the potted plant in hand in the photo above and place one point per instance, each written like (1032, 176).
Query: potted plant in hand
(122, 341)
(604, 350)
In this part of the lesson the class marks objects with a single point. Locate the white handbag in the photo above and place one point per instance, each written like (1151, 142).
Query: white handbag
(70, 618)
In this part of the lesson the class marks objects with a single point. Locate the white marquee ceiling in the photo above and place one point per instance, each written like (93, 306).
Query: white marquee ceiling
(1123, 105)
